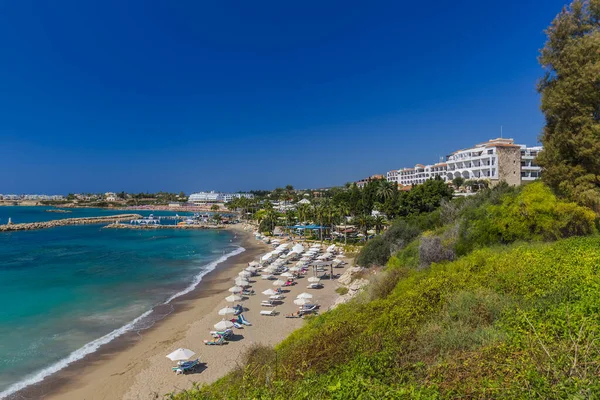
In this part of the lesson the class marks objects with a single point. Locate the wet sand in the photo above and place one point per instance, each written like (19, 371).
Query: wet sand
(135, 366)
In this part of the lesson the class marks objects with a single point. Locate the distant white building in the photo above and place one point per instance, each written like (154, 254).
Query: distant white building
(216, 197)
(495, 160)
(39, 197)
(110, 196)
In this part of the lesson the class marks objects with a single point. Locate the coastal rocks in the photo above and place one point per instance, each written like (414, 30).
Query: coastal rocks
(67, 221)
(353, 281)
(349, 275)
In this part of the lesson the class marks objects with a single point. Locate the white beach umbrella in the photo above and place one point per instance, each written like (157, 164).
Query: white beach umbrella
(278, 282)
(321, 257)
(287, 275)
(233, 298)
(227, 310)
(242, 282)
(266, 257)
(305, 258)
(224, 324)
(304, 296)
(253, 264)
(301, 302)
(331, 248)
(269, 276)
(250, 269)
(314, 279)
(245, 274)
(276, 252)
(269, 292)
(235, 289)
(180, 354)
(295, 269)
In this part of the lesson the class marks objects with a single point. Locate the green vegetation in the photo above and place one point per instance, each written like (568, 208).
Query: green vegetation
(505, 322)
(571, 103)
(342, 290)
(346, 205)
(492, 296)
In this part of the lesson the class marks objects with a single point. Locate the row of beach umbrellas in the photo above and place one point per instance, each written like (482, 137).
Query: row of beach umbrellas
(242, 281)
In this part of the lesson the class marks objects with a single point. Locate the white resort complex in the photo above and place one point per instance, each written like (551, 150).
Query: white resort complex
(495, 160)
(216, 197)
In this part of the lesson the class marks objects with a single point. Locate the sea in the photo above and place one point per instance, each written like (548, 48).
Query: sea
(66, 291)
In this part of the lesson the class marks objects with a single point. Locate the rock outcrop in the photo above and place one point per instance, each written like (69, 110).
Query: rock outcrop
(351, 279)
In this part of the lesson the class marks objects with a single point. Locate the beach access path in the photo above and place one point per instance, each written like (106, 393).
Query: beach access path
(140, 370)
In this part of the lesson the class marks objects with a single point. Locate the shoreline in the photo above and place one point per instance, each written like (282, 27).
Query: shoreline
(134, 366)
(69, 376)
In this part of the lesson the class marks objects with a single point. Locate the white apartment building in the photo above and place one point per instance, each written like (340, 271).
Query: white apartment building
(529, 168)
(495, 160)
(216, 197)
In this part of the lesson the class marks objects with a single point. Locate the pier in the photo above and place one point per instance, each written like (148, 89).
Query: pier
(67, 221)
(120, 225)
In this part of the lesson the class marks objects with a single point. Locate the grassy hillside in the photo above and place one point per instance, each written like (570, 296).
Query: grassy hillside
(473, 304)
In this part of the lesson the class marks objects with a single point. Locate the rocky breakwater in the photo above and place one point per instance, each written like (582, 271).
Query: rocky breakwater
(118, 225)
(68, 221)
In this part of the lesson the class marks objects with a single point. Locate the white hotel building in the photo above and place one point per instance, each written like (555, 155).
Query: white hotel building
(496, 160)
(216, 197)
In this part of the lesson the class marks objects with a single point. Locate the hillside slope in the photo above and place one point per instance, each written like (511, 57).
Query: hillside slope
(518, 321)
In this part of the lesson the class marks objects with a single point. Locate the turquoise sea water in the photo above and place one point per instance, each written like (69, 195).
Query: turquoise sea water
(66, 290)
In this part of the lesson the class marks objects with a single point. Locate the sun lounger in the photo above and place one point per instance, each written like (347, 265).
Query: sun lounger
(267, 303)
(237, 324)
(238, 309)
(186, 367)
(308, 309)
(297, 314)
(315, 286)
(277, 297)
(248, 292)
(226, 334)
(243, 320)
(216, 342)
(268, 312)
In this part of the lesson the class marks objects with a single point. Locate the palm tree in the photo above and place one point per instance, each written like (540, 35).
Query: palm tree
(385, 190)
(364, 223)
(379, 222)
(290, 219)
(344, 210)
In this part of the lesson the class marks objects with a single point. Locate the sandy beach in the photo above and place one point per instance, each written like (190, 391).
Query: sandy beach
(136, 366)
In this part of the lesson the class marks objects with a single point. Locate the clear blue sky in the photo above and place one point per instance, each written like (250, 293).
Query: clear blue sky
(144, 95)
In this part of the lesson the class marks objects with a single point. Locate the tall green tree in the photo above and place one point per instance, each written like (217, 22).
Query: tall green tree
(570, 91)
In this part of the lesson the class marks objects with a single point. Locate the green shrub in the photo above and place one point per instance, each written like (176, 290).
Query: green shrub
(505, 322)
(532, 212)
(342, 290)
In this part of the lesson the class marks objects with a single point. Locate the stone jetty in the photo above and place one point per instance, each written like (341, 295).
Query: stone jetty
(118, 225)
(68, 221)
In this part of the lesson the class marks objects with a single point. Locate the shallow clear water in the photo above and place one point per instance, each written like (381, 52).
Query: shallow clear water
(64, 287)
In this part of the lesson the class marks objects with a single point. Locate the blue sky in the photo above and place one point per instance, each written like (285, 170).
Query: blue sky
(237, 95)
